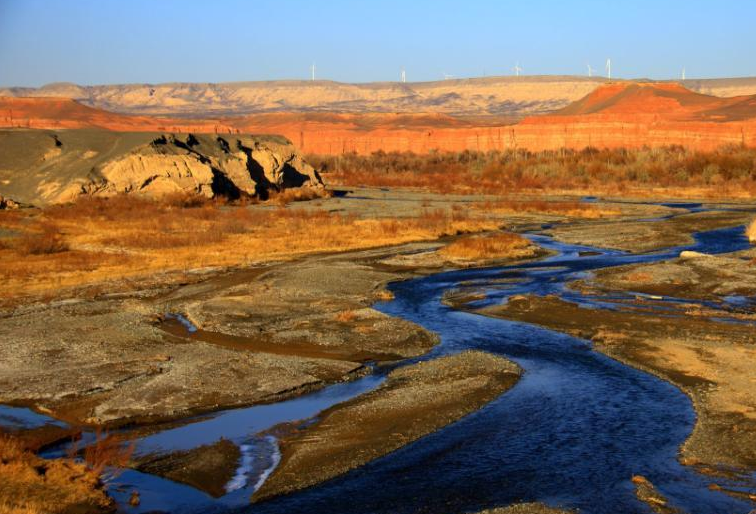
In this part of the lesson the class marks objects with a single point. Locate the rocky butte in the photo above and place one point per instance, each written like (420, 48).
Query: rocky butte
(41, 167)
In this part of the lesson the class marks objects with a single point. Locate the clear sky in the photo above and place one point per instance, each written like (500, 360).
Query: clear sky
(112, 41)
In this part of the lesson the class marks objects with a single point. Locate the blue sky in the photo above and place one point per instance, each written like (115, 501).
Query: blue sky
(110, 41)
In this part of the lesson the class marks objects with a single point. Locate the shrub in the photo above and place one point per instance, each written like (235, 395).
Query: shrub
(497, 172)
(494, 246)
(346, 316)
(47, 242)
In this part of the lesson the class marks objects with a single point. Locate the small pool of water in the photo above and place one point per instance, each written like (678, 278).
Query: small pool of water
(17, 418)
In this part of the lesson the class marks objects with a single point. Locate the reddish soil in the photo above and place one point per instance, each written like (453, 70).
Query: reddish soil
(623, 114)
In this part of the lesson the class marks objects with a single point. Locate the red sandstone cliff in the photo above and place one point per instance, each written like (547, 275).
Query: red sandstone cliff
(614, 115)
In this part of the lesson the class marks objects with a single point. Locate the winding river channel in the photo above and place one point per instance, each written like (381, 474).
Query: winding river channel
(571, 433)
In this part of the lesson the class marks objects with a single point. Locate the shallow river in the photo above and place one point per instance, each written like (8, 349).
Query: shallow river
(571, 433)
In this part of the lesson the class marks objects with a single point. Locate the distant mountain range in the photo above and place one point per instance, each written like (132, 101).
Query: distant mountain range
(502, 97)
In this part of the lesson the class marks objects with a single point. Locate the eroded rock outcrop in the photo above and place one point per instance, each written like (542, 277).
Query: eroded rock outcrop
(58, 167)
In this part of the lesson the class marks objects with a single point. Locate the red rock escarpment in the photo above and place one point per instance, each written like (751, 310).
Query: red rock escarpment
(614, 115)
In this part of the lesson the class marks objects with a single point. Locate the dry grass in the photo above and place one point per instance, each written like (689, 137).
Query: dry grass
(384, 295)
(751, 232)
(559, 208)
(674, 171)
(299, 194)
(47, 241)
(107, 456)
(502, 245)
(639, 276)
(31, 485)
(346, 316)
(122, 239)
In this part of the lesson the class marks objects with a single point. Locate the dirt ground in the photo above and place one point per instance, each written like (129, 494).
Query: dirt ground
(642, 236)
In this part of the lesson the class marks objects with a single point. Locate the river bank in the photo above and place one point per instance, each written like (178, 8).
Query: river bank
(252, 333)
(688, 320)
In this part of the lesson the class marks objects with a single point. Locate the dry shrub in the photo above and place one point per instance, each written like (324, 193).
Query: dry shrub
(107, 454)
(384, 295)
(29, 484)
(562, 208)
(494, 246)
(346, 316)
(659, 172)
(121, 206)
(11, 448)
(186, 200)
(48, 241)
(298, 194)
(165, 240)
(751, 232)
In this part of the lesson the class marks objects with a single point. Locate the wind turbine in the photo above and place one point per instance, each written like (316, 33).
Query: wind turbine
(590, 70)
(312, 71)
(404, 75)
(609, 69)
(517, 69)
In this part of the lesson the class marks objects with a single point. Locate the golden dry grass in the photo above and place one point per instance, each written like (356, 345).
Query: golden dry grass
(31, 485)
(298, 194)
(384, 295)
(751, 232)
(501, 245)
(674, 171)
(559, 208)
(125, 238)
(346, 316)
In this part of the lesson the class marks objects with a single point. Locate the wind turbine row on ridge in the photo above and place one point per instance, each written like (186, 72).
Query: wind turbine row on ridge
(517, 69)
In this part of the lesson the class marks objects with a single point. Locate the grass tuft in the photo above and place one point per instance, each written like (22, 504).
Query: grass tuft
(31, 485)
(502, 245)
(48, 241)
